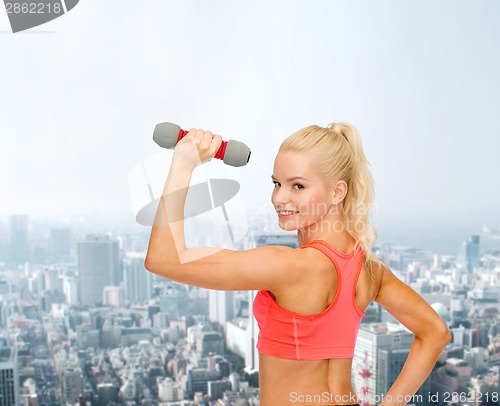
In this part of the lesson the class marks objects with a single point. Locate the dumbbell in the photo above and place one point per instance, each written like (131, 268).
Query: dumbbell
(234, 153)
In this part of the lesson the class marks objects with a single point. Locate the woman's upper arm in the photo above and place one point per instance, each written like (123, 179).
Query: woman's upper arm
(262, 268)
(409, 308)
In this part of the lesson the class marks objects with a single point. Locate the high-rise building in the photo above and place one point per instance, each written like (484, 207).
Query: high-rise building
(72, 384)
(161, 320)
(197, 380)
(8, 307)
(9, 378)
(70, 289)
(107, 393)
(128, 390)
(60, 243)
(169, 390)
(252, 355)
(472, 253)
(381, 350)
(456, 376)
(374, 314)
(237, 338)
(137, 280)
(49, 298)
(88, 337)
(218, 362)
(4, 243)
(19, 251)
(52, 279)
(98, 266)
(113, 296)
(215, 389)
(220, 306)
(5, 287)
(391, 362)
(210, 341)
(175, 302)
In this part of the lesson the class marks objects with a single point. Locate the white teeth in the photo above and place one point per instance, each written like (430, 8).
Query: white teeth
(286, 213)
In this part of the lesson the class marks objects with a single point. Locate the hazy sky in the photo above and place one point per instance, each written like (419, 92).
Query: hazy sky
(80, 96)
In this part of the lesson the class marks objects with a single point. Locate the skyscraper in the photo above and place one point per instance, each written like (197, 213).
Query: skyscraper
(472, 253)
(113, 296)
(52, 279)
(19, 238)
(220, 306)
(252, 356)
(9, 378)
(174, 301)
(70, 288)
(391, 362)
(4, 243)
(72, 383)
(137, 281)
(60, 242)
(98, 266)
(380, 352)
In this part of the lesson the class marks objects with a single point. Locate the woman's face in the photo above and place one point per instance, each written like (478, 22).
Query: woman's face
(300, 196)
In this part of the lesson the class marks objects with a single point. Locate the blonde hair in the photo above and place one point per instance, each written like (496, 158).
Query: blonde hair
(341, 157)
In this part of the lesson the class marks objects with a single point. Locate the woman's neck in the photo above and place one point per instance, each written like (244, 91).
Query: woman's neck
(330, 228)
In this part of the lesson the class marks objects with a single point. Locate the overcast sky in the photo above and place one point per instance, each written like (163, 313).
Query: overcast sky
(80, 96)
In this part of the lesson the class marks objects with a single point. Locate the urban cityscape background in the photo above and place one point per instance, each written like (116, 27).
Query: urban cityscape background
(83, 323)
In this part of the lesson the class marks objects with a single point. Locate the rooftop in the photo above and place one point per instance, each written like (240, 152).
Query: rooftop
(6, 354)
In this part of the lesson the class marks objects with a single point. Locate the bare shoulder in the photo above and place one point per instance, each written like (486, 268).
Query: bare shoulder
(313, 260)
(374, 272)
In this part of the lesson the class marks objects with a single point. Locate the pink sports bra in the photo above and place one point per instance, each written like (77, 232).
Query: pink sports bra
(329, 334)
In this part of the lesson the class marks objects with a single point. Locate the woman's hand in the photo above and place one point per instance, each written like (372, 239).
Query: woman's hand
(196, 148)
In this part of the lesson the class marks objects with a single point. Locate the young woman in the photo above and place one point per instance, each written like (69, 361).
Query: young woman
(311, 300)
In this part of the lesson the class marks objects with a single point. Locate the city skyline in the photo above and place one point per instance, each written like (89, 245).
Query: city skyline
(441, 238)
(209, 336)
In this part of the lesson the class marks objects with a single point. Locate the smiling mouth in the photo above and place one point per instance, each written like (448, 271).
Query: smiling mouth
(284, 214)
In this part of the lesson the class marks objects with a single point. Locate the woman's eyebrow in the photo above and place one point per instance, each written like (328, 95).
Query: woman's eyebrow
(291, 179)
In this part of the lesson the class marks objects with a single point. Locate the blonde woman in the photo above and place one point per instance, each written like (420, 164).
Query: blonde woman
(310, 300)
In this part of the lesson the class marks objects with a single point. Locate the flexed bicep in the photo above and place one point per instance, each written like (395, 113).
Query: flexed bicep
(266, 268)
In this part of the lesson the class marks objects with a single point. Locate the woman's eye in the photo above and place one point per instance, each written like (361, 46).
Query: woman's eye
(296, 186)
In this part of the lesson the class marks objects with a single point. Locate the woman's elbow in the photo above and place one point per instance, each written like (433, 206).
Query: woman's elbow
(148, 264)
(160, 268)
(447, 336)
(442, 335)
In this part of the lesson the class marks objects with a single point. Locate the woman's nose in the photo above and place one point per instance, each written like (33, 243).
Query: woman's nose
(280, 195)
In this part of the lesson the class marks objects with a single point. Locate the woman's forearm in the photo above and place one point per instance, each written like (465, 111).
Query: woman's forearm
(167, 249)
(419, 364)
(167, 241)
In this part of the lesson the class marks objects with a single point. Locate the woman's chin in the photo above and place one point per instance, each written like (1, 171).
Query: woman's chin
(288, 226)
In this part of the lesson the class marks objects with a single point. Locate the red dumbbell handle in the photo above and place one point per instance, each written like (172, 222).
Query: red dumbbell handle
(220, 152)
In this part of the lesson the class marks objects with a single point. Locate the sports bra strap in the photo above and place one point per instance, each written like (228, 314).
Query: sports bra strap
(347, 267)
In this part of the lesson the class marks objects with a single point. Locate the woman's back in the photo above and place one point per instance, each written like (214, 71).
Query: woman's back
(285, 381)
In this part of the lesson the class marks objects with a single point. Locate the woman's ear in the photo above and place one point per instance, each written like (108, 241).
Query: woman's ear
(338, 192)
